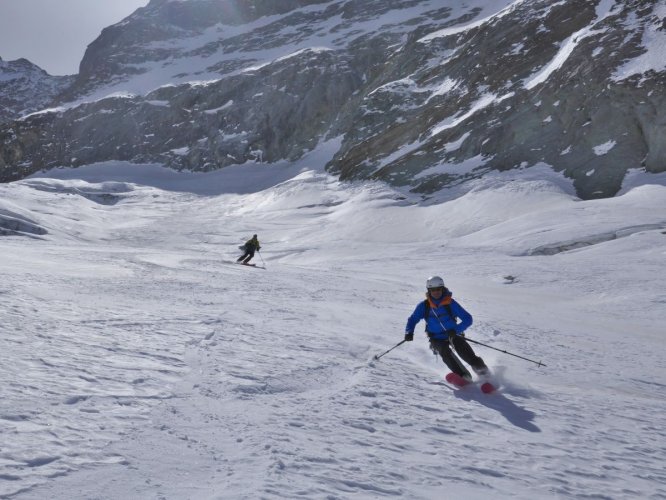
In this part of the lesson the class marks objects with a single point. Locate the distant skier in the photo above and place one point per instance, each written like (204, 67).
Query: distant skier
(441, 314)
(251, 246)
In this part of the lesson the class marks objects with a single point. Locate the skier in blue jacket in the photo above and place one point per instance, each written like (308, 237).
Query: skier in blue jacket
(441, 314)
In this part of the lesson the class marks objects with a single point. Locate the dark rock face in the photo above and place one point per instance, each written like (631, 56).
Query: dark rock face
(239, 119)
(426, 93)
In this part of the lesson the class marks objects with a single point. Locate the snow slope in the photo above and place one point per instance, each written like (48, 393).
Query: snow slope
(139, 361)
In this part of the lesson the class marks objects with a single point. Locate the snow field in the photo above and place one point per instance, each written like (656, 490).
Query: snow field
(141, 362)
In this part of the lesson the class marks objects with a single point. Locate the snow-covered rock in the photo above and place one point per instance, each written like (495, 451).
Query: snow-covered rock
(25, 87)
(427, 94)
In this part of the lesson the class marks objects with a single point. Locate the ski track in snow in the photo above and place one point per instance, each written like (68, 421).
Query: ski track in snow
(140, 361)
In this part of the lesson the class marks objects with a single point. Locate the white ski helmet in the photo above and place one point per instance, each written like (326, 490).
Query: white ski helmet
(434, 282)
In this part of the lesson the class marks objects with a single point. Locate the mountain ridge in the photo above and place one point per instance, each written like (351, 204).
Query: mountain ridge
(25, 88)
(426, 94)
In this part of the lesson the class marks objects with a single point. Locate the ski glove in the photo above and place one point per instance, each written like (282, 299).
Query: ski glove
(409, 336)
(452, 333)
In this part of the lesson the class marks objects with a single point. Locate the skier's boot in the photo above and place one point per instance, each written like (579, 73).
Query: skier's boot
(481, 370)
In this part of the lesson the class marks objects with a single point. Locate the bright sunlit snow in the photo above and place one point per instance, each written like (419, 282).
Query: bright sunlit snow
(139, 361)
(654, 47)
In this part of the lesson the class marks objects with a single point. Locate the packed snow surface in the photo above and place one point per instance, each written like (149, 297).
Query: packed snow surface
(139, 361)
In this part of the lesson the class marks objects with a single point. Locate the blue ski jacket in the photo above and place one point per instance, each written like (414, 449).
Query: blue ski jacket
(433, 325)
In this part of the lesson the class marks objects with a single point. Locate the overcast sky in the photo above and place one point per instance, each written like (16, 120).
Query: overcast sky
(54, 33)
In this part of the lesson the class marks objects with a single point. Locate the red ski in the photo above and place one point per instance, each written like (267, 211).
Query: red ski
(488, 388)
(458, 381)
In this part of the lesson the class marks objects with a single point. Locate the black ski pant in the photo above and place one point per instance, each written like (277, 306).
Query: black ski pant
(463, 349)
(245, 258)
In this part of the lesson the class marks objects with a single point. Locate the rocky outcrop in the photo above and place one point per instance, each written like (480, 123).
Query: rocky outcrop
(25, 87)
(425, 94)
(273, 113)
(535, 86)
(152, 35)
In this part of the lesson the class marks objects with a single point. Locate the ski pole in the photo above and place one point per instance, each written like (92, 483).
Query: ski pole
(377, 356)
(538, 363)
(262, 259)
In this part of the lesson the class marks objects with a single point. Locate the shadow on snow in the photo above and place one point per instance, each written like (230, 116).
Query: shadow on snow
(517, 415)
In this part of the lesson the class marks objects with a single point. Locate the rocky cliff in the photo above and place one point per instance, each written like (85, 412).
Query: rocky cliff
(425, 93)
(25, 87)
